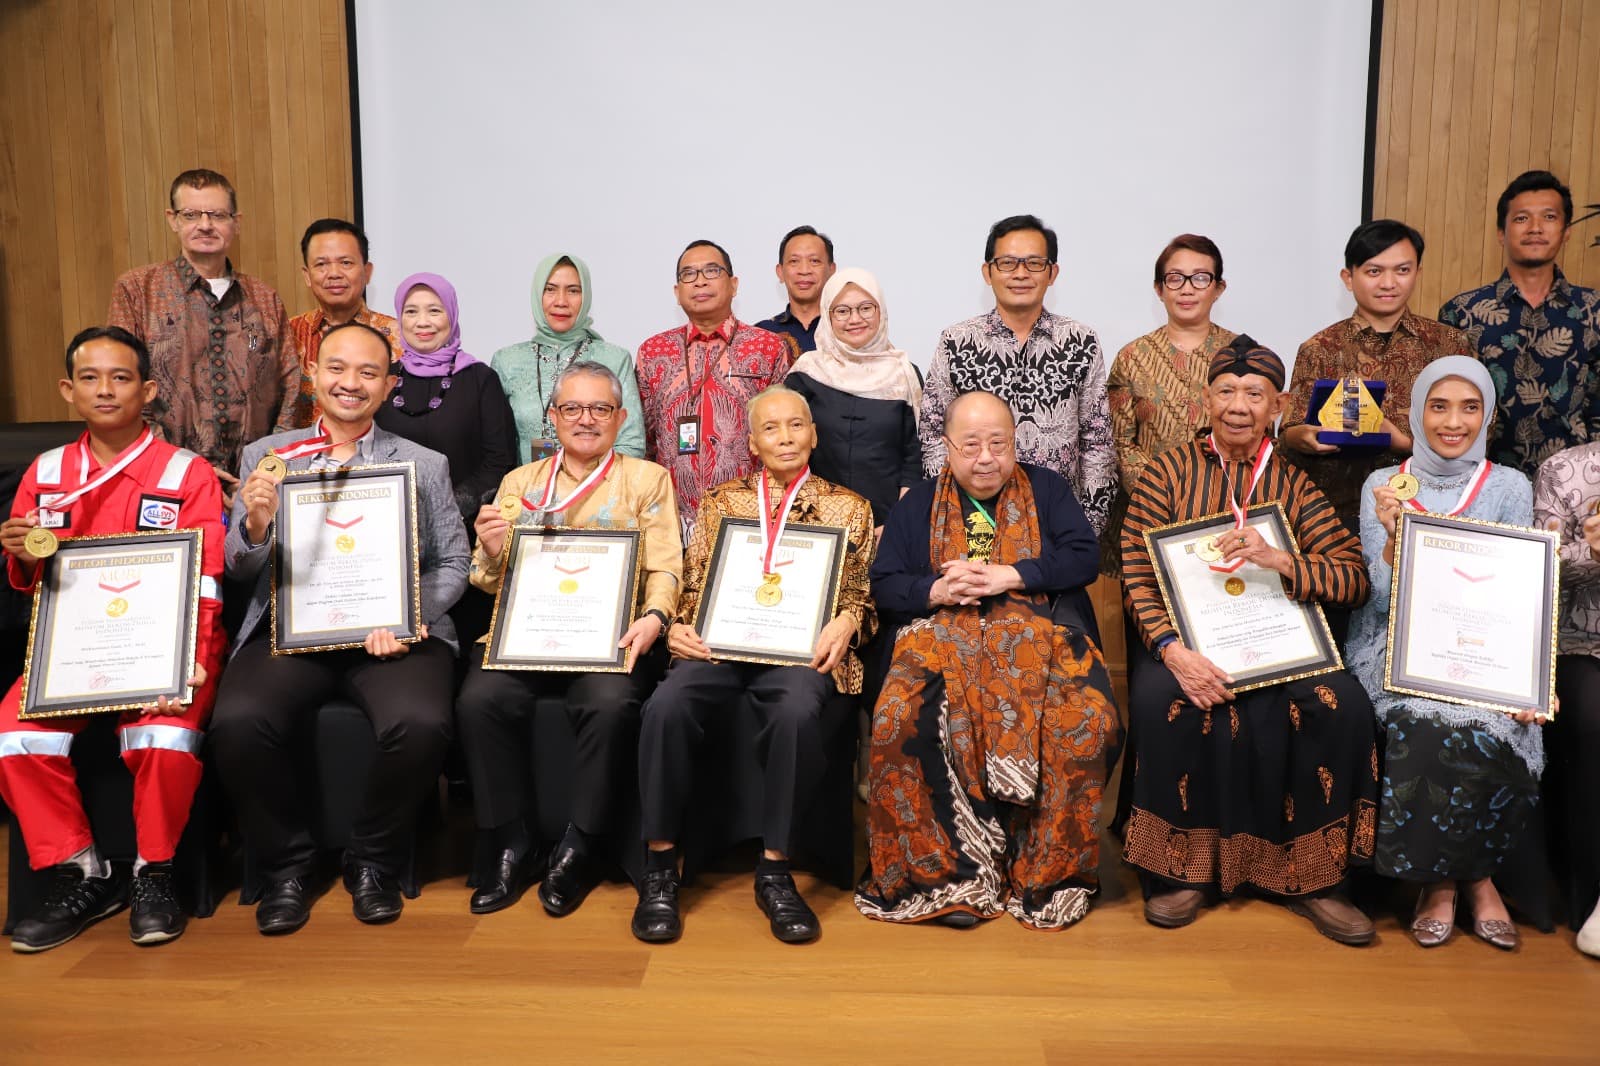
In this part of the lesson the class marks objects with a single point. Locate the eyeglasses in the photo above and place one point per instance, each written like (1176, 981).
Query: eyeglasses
(712, 272)
(1036, 264)
(571, 412)
(190, 216)
(971, 449)
(842, 312)
(1200, 279)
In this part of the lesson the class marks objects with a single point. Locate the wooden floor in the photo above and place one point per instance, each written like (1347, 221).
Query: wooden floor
(1249, 982)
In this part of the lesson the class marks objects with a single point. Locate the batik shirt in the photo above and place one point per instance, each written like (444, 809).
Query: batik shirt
(1564, 494)
(308, 330)
(1054, 381)
(1542, 360)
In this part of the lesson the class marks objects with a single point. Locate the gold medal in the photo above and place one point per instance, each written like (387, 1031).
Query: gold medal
(568, 586)
(1207, 549)
(1234, 586)
(1405, 486)
(346, 543)
(768, 595)
(510, 508)
(273, 465)
(40, 543)
(117, 607)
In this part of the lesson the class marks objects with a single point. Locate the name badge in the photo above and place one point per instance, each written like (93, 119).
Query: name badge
(51, 519)
(689, 435)
(542, 448)
(157, 513)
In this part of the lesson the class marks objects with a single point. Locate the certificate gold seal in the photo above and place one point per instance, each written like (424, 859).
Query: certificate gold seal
(1207, 549)
(273, 465)
(510, 508)
(1405, 486)
(769, 594)
(568, 586)
(40, 543)
(117, 607)
(346, 543)
(1234, 586)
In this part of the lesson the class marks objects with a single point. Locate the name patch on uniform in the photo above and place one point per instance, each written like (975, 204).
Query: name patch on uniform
(157, 513)
(47, 518)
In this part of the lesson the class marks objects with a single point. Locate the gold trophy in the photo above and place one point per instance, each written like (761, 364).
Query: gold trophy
(1351, 416)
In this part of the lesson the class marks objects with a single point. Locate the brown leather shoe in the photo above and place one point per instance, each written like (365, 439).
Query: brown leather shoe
(1502, 935)
(1336, 918)
(1173, 910)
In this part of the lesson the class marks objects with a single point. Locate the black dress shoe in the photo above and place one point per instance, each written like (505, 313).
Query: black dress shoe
(571, 878)
(156, 916)
(506, 884)
(283, 908)
(792, 920)
(655, 918)
(73, 903)
(374, 896)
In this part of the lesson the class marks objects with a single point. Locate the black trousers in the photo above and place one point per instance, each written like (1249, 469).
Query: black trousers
(1572, 745)
(793, 706)
(262, 707)
(494, 715)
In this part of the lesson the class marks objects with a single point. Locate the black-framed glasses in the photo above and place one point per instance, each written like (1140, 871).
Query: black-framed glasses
(1036, 264)
(971, 449)
(191, 216)
(571, 412)
(712, 272)
(1200, 279)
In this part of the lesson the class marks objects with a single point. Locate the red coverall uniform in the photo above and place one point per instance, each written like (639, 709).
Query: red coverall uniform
(166, 487)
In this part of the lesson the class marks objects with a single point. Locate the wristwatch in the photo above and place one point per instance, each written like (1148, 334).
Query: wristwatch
(661, 616)
(1160, 650)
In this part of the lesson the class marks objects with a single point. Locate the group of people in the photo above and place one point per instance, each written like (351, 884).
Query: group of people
(979, 504)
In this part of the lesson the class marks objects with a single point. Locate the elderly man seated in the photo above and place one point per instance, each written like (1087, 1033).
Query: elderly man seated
(1274, 788)
(587, 483)
(795, 704)
(996, 727)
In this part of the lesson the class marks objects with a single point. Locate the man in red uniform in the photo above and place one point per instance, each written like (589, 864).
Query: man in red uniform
(135, 482)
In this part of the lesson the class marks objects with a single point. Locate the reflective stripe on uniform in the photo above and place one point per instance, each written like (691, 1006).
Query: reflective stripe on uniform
(165, 737)
(48, 471)
(208, 589)
(35, 743)
(177, 467)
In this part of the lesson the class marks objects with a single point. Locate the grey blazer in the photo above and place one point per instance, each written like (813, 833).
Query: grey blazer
(443, 548)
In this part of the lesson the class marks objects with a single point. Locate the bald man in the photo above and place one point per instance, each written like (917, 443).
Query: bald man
(996, 728)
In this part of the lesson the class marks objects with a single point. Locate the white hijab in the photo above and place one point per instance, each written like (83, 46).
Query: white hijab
(877, 370)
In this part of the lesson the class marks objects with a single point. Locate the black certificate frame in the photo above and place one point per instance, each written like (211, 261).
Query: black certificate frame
(838, 540)
(291, 638)
(1399, 675)
(627, 607)
(1325, 657)
(46, 604)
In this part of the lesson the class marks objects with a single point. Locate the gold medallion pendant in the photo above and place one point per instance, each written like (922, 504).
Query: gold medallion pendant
(117, 607)
(273, 465)
(1207, 549)
(769, 594)
(1234, 586)
(510, 508)
(1405, 487)
(346, 543)
(40, 543)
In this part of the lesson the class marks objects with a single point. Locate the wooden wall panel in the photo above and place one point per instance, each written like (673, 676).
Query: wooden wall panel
(1470, 94)
(102, 102)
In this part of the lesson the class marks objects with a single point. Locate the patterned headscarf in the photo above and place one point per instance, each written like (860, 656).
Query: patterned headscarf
(1245, 355)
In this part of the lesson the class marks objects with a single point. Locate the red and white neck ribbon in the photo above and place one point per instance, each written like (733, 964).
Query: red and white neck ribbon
(1468, 494)
(118, 465)
(772, 528)
(1239, 506)
(548, 502)
(322, 442)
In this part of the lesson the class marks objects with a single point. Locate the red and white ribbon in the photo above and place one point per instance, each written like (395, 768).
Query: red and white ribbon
(322, 442)
(548, 502)
(1468, 494)
(772, 529)
(1257, 470)
(118, 465)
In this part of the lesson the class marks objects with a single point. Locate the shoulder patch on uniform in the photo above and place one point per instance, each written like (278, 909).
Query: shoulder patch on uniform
(177, 467)
(48, 471)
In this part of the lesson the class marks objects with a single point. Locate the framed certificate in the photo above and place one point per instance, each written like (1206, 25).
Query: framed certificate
(1243, 622)
(566, 598)
(114, 624)
(744, 617)
(346, 558)
(1472, 613)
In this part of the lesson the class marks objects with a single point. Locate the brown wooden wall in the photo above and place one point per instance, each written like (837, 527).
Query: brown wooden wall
(1470, 94)
(103, 102)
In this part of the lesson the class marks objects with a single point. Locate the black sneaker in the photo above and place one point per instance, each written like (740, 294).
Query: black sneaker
(73, 903)
(156, 917)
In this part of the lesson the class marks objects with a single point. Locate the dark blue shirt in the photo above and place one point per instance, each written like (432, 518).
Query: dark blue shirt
(1542, 360)
(800, 338)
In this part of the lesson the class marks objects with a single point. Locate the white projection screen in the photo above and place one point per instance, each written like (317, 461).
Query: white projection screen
(495, 133)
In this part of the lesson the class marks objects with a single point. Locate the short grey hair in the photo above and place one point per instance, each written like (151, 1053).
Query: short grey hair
(773, 390)
(587, 368)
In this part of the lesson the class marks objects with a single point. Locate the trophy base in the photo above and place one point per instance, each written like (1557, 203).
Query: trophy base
(1354, 442)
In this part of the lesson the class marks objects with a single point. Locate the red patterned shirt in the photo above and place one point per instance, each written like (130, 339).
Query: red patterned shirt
(684, 372)
(308, 330)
